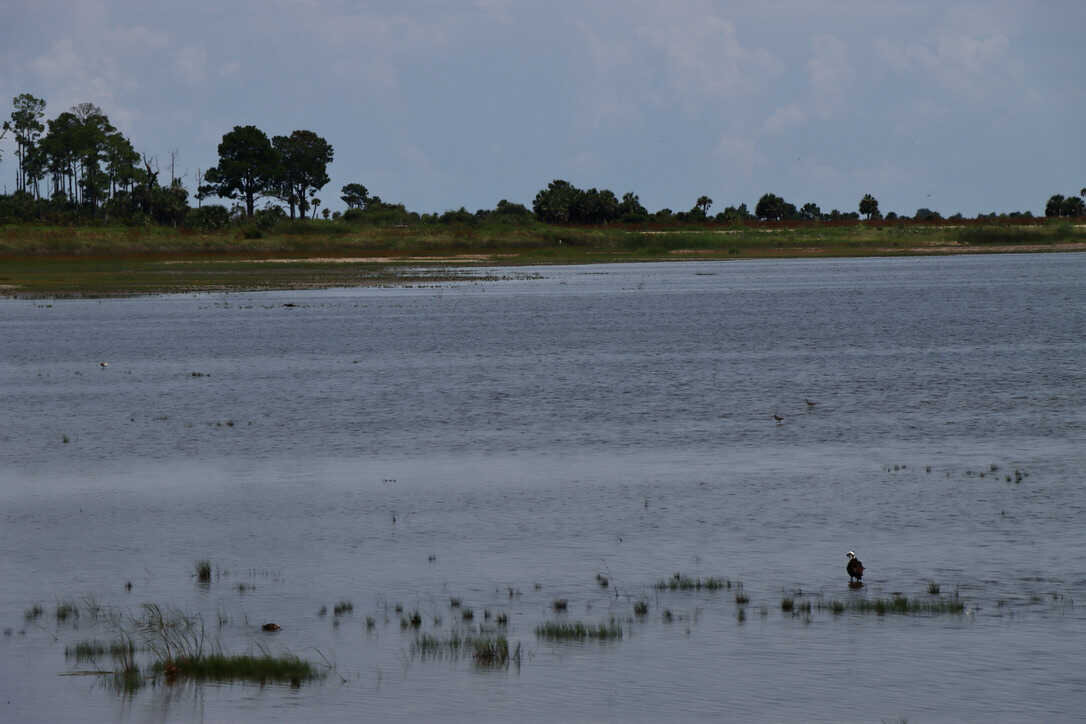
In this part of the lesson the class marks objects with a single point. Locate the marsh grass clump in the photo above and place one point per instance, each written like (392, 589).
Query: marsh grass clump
(560, 604)
(287, 669)
(343, 608)
(203, 571)
(897, 604)
(454, 602)
(787, 604)
(486, 650)
(668, 616)
(578, 631)
(679, 582)
(933, 588)
(641, 608)
(412, 621)
(602, 580)
(502, 619)
(467, 614)
(34, 612)
(370, 623)
(742, 598)
(493, 652)
(122, 649)
(66, 610)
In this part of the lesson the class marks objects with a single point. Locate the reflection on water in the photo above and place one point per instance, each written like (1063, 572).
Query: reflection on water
(407, 446)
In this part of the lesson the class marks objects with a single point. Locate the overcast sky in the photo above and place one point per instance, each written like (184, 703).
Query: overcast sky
(954, 106)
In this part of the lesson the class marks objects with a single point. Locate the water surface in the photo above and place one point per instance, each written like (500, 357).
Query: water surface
(530, 434)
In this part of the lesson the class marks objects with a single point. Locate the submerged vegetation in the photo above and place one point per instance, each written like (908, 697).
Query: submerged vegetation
(898, 604)
(679, 582)
(237, 667)
(159, 644)
(578, 631)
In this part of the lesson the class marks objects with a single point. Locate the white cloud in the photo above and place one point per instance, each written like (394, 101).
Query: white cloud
(703, 54)
(967, 53)
(191, 64)
(830, 74)
(784, 119)
(740, 153)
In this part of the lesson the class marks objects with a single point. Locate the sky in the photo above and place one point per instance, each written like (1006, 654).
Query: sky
(967, 107)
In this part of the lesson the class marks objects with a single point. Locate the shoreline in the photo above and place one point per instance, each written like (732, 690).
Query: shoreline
(92, 262)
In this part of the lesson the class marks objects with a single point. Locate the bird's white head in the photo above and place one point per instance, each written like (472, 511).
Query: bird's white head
(851, 555)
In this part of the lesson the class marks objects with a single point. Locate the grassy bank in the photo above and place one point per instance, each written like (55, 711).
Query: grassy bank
(39, 261)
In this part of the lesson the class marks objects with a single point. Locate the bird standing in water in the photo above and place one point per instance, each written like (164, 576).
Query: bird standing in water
(855, 568)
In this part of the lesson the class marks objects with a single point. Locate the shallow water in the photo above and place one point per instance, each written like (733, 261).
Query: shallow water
(530, 434)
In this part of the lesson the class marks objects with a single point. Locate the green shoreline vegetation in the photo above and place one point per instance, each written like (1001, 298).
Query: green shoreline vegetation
(38, 260)
(92, 217)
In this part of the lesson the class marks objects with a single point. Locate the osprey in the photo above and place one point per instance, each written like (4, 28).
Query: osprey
(855, 568)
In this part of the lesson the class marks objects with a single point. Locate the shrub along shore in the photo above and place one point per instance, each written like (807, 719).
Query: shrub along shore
(92, 260)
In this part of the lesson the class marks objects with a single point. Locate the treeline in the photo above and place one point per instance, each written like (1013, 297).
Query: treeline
(78, 168)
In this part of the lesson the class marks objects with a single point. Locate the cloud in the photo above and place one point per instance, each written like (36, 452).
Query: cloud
(784, 119)
(740, 153)
(191, 64)
(965, 53)
(830, 74)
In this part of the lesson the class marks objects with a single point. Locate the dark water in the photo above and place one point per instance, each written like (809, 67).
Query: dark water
(532, 434)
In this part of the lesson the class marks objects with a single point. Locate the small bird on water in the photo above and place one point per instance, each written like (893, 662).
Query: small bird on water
(855, 569)
(778, 418)
(103, 365)
(810, 403)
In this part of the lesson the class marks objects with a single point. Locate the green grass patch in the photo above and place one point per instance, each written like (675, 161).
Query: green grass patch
(92, 650)
(578, 631)
(895, 605)
(494, 652)
(42, 260)
(264, 668)
(679, 582)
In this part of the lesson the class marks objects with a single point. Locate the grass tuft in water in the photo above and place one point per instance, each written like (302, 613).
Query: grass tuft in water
(933, 588)
(578, 631)
(203, 571)
(602, 580)
(679, 582)
(285, 669)
(560, 604)
(90, 650)
(896, 604)
(66, 610)
(343, 608)
(494, 652)
(33, 612)
(641, 608)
